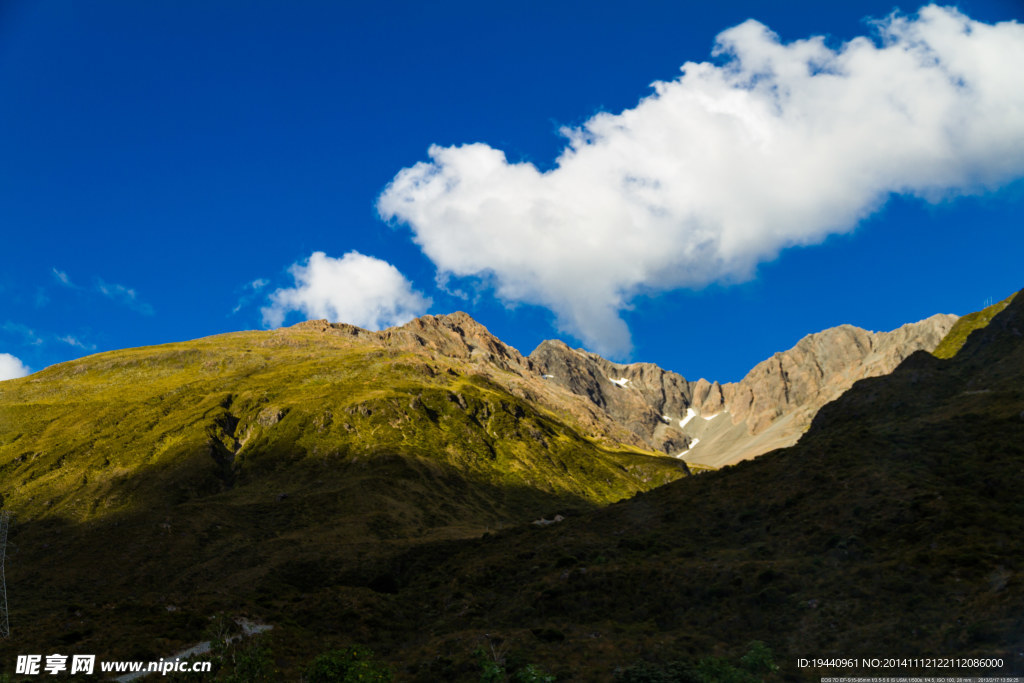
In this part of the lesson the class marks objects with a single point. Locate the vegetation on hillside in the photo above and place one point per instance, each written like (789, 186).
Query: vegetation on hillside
(956, 337)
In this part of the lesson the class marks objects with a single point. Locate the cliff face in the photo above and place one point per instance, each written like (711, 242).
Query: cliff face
(640, 396)
(821, 367)
(767, 409)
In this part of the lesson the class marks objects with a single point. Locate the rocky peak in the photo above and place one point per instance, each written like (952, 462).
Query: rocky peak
(637, 395)
(822, 366)
(456, 335)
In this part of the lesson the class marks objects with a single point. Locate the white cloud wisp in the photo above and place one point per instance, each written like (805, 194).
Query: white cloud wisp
(11, 367)
(355, 289)
(720, 169)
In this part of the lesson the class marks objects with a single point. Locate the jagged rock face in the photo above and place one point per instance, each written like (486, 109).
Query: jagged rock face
(905, 492)
(821, 367)
(768, 409)
(637, 396)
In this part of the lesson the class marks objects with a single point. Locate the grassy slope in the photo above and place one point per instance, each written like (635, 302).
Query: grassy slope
(253, 471)
(895, 528)
(956, 337)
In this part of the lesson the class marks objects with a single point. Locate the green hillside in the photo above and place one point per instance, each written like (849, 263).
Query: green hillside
(956, 337)
(248, 472)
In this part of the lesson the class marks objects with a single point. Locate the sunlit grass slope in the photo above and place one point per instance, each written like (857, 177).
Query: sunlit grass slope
(956, 337)
(236, 411)
(151, 486)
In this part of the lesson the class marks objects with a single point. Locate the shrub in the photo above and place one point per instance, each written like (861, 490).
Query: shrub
(355, 664)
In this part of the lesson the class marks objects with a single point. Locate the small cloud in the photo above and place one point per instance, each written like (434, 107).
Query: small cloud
(443, 282)
(356, 289)
(11, 367)
(74, 341)
(27, 333)
(248, 293)
(123, 295)
(63, 278)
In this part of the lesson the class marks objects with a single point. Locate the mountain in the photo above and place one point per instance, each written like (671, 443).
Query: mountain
(378, 488)
(893, 529)
(151, 487)
(769, 408)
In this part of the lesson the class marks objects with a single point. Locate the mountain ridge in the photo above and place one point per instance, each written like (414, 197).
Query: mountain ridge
(769, 408)
(338, 478)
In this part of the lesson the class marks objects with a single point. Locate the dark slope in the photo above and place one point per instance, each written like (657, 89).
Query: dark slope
(895, 528)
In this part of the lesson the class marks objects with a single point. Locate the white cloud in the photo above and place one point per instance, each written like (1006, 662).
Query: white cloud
(720, 169)
(356, 289)
(11, 367)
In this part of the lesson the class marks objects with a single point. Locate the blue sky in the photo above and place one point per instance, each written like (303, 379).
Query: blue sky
(174, 170)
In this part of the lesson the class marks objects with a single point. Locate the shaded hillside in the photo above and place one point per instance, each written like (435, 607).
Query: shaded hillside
(895, 528)
(769, 408)
(151, 487)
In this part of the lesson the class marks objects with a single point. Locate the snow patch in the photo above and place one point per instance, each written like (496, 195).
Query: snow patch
(710, 417)
(692, 444)
(690, 414)
(666, 419)
(622, 381)
(547, 376)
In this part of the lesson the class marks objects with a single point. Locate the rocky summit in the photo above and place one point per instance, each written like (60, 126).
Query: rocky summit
(712, 424)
